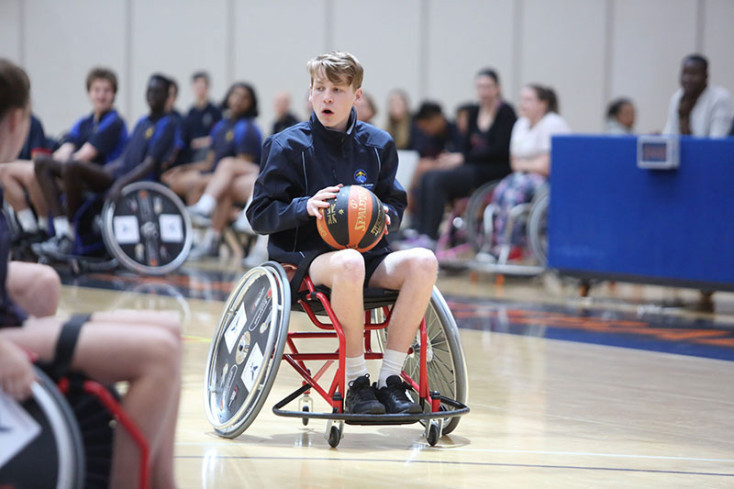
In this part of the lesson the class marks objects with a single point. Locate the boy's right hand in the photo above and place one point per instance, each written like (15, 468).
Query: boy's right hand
(318, 201)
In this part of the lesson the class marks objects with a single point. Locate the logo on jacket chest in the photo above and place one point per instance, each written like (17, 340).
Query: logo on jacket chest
(360, 176)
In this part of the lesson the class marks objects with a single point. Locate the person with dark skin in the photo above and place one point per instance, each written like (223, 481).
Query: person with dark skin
(150, 144)
(697, 108)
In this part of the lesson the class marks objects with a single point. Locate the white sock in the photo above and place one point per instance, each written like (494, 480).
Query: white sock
(392, 364)
(211, 236)
(27, 220)
(62, 226)
(43, 224)
(355, 367)
(206, 204)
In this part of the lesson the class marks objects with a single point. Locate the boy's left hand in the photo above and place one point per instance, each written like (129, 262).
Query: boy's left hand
(387, 219)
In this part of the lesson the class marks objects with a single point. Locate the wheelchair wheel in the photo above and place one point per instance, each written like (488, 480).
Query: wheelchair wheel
(445, 357)
(537, 229)
(247, 349)
(148, 230)
(58, 447)
(479, 233)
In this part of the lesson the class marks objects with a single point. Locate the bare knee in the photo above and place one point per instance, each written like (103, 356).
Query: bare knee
(348, 265)
(423, 265)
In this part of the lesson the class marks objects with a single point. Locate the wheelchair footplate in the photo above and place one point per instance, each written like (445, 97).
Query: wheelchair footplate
(433, 416)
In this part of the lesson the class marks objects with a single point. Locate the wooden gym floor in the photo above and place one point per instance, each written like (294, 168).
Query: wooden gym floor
(630, 387)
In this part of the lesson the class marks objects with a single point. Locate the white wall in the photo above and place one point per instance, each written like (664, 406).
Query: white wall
(589, 50)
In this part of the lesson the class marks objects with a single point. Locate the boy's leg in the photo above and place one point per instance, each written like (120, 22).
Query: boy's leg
(78, 176)
(413, 273)
(27, 282)
(47, 171)
(343, 272)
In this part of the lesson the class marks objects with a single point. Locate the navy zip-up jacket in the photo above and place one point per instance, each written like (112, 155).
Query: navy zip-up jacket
(305, 158)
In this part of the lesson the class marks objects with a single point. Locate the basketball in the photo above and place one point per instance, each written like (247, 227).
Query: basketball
(354, 219)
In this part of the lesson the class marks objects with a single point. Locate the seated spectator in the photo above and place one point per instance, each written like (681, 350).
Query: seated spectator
(529, 155)
(98, 139)
(697, 108)
(17, 179)
(620, 117)
(283, 116)
(399, 119)
(193, 135)
(150, 145)
(433, 137)
(484, 157)
(142, 348)
(366, 108)
(236, 144)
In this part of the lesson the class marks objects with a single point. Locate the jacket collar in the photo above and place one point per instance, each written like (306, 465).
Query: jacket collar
(332, 135)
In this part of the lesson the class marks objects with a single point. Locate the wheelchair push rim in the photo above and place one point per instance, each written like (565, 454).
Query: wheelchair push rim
(445, 362)
(149, 231)
(246, 349)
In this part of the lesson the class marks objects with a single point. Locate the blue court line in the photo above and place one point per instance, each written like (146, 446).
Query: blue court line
(475, 464)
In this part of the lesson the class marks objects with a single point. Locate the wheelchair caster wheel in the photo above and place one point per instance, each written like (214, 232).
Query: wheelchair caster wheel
(433, 432)
(305, 420)
(334, 433)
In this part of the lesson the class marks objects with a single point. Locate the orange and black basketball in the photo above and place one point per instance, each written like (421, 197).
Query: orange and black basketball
(354, 219)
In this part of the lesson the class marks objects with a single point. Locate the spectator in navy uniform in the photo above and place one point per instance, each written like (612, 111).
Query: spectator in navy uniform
(98, 139)
(150, 145)
(18, 178)
(201, 118)
(236, 144)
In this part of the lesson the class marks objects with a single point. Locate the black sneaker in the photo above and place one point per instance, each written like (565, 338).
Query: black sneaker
(361, 398)
(58, 246)
(395, 399)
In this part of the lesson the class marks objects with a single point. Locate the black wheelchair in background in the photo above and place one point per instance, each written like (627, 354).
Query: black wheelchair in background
(148, 231)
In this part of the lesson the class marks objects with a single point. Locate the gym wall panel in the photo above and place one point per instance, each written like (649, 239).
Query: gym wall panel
(176, 38)
(649, 41)
(462, 38)
(10, 30)
(62, 41)
(563, 46)
(718, 41)
(386, 38)
(272, 42)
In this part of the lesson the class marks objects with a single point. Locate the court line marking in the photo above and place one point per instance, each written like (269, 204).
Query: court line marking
(447, 462)
(533, 452)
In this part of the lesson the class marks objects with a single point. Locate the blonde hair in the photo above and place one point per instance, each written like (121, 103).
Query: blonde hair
(339, 67)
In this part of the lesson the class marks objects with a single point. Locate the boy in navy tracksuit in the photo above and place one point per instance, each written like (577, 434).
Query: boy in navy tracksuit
(150, 145)
(302, 168)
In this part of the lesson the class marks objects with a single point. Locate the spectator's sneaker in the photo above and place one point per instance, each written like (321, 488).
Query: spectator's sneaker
(421, 241)
(56, 246)
(242, 225)
(204, 250)
(393, 396)
(361, 398)
(198, 218)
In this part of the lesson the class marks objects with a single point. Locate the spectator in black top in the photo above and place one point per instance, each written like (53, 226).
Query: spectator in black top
(485, 156)
(284, 118)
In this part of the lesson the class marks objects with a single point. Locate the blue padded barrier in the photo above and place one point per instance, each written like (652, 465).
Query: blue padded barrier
(609, 219)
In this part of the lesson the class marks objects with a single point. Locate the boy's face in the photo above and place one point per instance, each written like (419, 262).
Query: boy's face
(200, 87)
(102, 95)
(332, 102)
